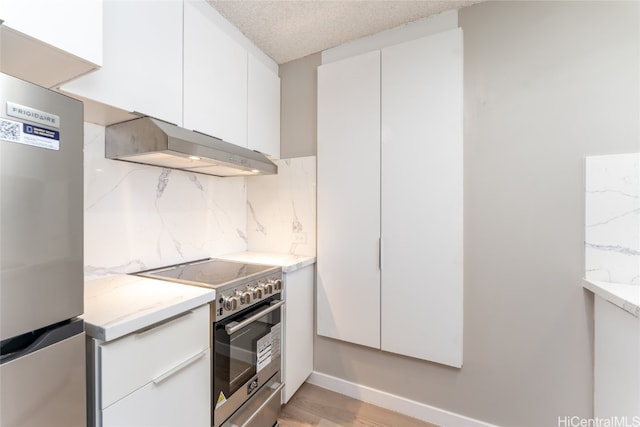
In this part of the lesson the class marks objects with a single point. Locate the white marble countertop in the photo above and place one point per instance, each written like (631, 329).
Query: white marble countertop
(627, 297)
(119, 305)
(288, 262)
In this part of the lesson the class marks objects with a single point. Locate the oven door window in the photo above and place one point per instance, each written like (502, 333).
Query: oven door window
(240, 355)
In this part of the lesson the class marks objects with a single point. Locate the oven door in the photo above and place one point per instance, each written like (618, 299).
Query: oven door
(246, 351)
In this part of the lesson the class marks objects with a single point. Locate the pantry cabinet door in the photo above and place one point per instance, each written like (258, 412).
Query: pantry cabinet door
(348, 277)
(215, 77)
(422, 181)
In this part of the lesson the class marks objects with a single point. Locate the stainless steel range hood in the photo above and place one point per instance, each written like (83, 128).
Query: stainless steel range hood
(154, 142)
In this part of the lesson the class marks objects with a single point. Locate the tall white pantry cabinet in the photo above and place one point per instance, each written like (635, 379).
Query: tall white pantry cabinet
(390, 218)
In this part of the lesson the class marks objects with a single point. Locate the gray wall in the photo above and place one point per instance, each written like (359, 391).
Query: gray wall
(298, 107)
(546, 84)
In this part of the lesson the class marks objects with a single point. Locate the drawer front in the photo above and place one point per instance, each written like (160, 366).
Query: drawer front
(182, 399)
(137, 359)
(262, 409)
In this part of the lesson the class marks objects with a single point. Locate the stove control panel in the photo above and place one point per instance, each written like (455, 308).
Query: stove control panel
(239, 297)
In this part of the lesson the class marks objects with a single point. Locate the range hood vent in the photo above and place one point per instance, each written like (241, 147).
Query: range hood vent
(154, 142)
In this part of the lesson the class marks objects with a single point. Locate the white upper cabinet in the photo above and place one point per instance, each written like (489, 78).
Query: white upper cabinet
(181, 62)
(142, 67)
(348, 277)
(48, 42)
(264, 109)
(215, 77)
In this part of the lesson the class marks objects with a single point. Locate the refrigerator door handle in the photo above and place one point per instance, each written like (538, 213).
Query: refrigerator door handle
(30, 342)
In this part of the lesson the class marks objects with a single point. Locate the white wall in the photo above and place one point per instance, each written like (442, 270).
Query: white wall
(298, 88)
(546, 84)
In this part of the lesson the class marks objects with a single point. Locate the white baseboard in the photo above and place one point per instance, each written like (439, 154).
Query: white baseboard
(414, 409)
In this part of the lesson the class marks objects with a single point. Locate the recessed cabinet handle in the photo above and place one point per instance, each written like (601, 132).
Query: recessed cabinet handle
(180, 367)
(163, 325)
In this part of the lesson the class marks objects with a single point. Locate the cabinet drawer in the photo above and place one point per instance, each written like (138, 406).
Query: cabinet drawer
(182, 399)
(137, 359)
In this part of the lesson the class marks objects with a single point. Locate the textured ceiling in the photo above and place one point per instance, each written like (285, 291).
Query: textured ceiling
(290, 29)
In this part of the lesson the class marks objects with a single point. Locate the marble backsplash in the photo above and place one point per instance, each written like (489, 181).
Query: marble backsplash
(281, 213)
(139, 217)
(612, 218)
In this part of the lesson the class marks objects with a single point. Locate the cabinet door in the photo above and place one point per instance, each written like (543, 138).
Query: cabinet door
(348, 280)
(215, 77)
(264, 109)
(132, 361)
(59, 24)
(422, 198)
(181, 399)
(39, 39)
(142, 68)
(298, 329)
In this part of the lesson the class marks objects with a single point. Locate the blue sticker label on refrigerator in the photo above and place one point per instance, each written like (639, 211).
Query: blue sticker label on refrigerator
(24, 133)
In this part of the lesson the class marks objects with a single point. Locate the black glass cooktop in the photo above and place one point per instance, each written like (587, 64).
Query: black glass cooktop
(210, 272)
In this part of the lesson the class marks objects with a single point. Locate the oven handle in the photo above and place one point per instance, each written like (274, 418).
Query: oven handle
(234, 327)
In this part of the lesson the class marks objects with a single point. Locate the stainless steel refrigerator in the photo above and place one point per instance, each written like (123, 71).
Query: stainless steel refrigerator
(42, 344)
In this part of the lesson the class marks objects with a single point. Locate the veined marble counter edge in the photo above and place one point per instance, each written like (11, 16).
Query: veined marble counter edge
(627, 297)
(288, 262)
(116, 306)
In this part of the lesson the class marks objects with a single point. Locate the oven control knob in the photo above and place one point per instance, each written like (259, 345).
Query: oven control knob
(277, 284)
(268, 288)
(246, 297)
(258, 291)
(230, 303)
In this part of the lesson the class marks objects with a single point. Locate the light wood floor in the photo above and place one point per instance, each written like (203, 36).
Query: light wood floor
(315, 406)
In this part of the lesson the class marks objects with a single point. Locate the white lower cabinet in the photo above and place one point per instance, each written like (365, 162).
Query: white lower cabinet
(297, 363)
(616, 370)
(181, 399)
(159, 376)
